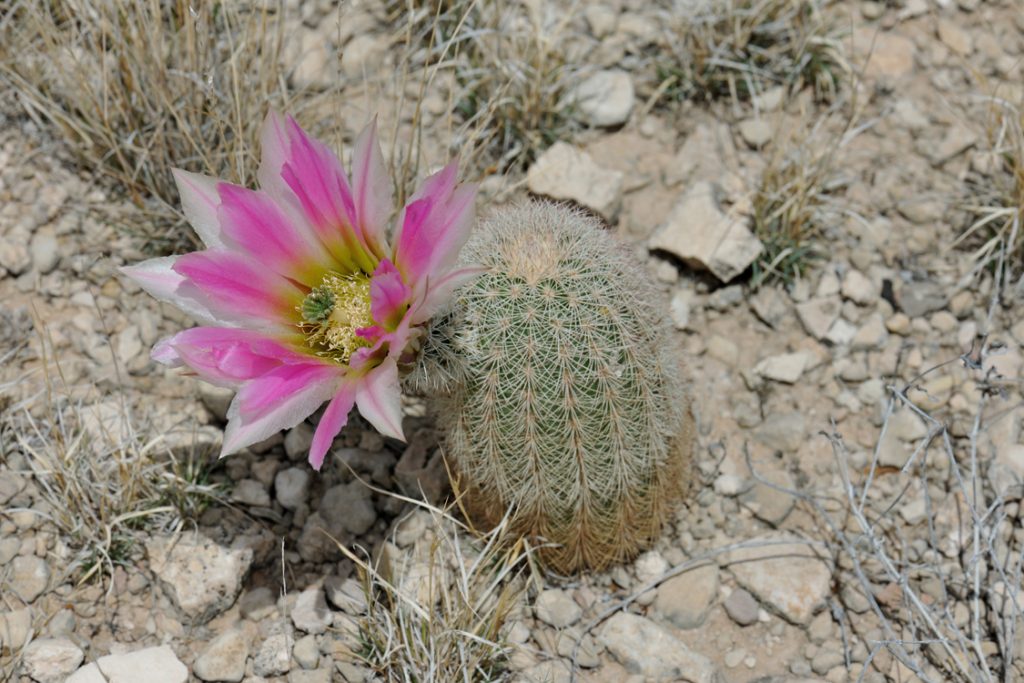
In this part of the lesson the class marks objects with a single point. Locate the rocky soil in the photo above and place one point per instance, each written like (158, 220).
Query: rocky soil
(887, 367)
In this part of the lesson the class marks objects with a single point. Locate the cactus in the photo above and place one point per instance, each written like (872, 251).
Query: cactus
(561, 396)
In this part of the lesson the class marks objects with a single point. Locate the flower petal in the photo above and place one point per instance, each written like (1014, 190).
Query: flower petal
(226, 356)
(379, 399)
(372, 190)
(236, 285)
(331, 422)
(434, 227)
(158, 278)
(273, 154)
(279, 400)
(199, 201)
(439, 291)
(389, 295)
(254, 222)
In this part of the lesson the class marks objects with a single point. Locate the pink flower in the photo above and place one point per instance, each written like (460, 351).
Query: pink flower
(301, 295)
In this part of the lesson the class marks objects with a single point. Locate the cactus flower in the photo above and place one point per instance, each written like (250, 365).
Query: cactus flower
(301, 295)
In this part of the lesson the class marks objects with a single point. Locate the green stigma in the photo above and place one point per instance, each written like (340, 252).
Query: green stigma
(333, 311)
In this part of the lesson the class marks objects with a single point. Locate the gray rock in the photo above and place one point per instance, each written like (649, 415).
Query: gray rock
(29, 577)
(362, 55)
(306, 652)
(786, 368)
(44, 251)
(770, 305)
(646, 648)
(297, 442)
(90, 673)
(699, 233)
(756, 132)
(871, 335)
(257, 603)
(310, 613)
(587, 654)
(153, 665)
(958, 139)
(199, 576)
(216, 399)
(858, 288)
(679, 308)
(252, 493)
(742, 607)
(606, 98)
(345, 594)
(311, 676)
(223, 659)
(348, 508)
(14, 256)
(291, 486)
(51, 660)
(818, 315)
(557, 608)
(767, 503)
(15, 628)
(548, 671)
(564, 172)
(686, 599)
(274, 656)
(600, 19)
(785, 574)
(11, 484)
(783, 432)
(920, 298)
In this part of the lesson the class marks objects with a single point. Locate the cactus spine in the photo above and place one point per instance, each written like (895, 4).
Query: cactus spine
(561, 394)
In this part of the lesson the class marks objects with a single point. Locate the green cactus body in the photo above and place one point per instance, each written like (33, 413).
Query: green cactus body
(561, 395)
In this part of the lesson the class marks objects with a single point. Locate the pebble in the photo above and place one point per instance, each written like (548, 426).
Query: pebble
(741, 607)
(606, 98)
(600, 19)
(919, 298)
(345, 594)
(556, 608)
(349, 508)
(153, 665)
(44, 251)
(955, 38)
(871, 335)
(223, 659)
(51, 660)
(783, 432)
(679, 308)
(818, 315)
(15, 627)
(756, 132)
(858, 288)
(90, 673)
(643, 647)
(362, 55)
(723, 350)
(312, 676)
(216, 399)
(297, 441)
(11, 485)
(787, 576)
(252, 493)
(291, 486)
(786, 368)
(273, 658)
(201, 577)
(685, 600)
(564, 172)
(770, 305)
(29, 577)
(958, 139)
(306, 652)
(310, 613)
(733, 658)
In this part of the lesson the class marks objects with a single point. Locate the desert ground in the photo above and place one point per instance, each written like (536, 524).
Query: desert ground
(828, 195)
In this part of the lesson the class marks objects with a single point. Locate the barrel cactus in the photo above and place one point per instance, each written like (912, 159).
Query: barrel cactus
(561, 396)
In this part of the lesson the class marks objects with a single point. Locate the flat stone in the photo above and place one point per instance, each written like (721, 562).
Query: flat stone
(15, 628)
(201, 577)
(564, 172)
(291, 486)
(859, 288)
(818, 315)
(252, 493)
(958, 139)
(699, 233)
(297, 441)
(557, 608)
(223, 659)
(786, 368)
(920, 298)
(90, 673)
(841, 333)
(306, 652)
(310, 613)
(891, 54)
(645, 648)
(153, 665)
(44, 251)
(742, 607)
(871, 335)
(29, 577)
(311, 676)
(606, 98)
(274, 657)
(346, 595)
(783, 432)
(216, 399)
(770, 305)
(686, 599)
(756, 132)
(11, 484)
(768, 503)
(789, 577)
(348, 508)
(51, 660)
(954, 37)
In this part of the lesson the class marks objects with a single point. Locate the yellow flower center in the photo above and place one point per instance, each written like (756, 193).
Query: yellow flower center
(333, 311)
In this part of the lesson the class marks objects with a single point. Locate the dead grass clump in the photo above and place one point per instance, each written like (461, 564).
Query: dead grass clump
(510, 71)
(137, 88)
(740, 48)
(436, 608)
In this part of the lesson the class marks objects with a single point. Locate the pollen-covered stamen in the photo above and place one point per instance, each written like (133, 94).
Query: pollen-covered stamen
(333, 311)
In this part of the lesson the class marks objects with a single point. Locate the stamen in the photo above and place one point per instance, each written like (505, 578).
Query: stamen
(333, 311)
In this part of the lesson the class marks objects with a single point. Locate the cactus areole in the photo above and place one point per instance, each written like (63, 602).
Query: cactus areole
(562, 396)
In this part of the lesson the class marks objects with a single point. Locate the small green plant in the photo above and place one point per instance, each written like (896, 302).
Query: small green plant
(561, 396)
(740, 48)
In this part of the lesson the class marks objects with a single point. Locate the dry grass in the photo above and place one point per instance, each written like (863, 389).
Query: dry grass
(435, 610)
(136, 88)
(737, 49)
(510, 71)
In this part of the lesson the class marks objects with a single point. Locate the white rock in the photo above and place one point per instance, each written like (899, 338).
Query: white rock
(955, 37)
(679, 308)
(858, 288)
(643, 647)
(557, 608)
(29, 577)
(274, 657)
(14, 256)
(90, 673)
(45, 252)
(564, 172)
(15, 628)
(786, 368)
(51, 660)
(686, 599)
(310, 614)
(818, 315)
(789, 576)
(362, 55)
(152, 665)
(872, 334)
(601, 19)
(606, 98)
(756, 132)
(699, 233)
(223, 659)
(841, 333)
(128, 343)
(306, 652)
(313, 61)
(199, 576)
(291, 487)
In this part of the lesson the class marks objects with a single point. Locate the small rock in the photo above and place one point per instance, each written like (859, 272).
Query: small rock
(14, 256)
(297, 442)
(252, 493)
(556, 608)
(345, 594)
(15, 628)
(199, 576)
(601, 20)
(955, 38)
(348, 508)
(871, 335)
(306, 652)
(362, 55)
(771, 99)
(783, 432)
(789, 577)
(891, 54)
(786, 368)
(734, 658)
(291, 487)
(586, 655)
(899, 323)
(310, 613)
(44, 251)
(958, 139)
(549, 671)
(841, 333)
(29, 577)
(770, 305)
(818, 315)
(223, 659)
(679, 308)
(699, 233)
(686, 599)
(51, 660)
(606, 98)
(922, 210)
(90, 673)
(858, 288)
(216, 399)
(742, 607)
(312, 676)
(756, 132)
(723, 349)
(768, 503)
(920, 298)
(564, 172)
(643, 647)
(257, 603)
(274, 657)
(11, 485)
(153, 665)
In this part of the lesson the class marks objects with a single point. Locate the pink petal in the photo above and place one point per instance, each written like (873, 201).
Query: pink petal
(199, 201)
(158, 278)
(372, 190)
(235, 284)
(226, 356)
(379, 399)
(254, 222)
(334, 418)
(441, 290)
(389, 295)
(434, 227)
(279, 400)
